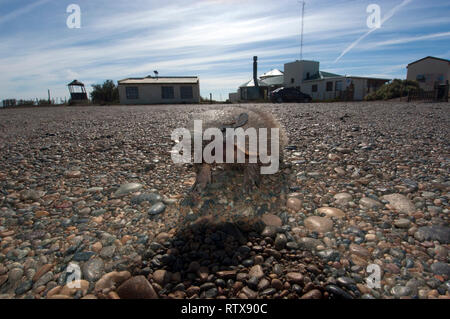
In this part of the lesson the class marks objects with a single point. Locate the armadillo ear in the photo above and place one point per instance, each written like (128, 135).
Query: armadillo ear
(241, 120)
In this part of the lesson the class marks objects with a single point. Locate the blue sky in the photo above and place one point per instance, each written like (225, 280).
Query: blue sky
(214, 39)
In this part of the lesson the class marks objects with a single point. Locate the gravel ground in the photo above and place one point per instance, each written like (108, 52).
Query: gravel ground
(91, 206)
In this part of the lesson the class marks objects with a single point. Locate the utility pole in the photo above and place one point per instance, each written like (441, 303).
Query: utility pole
(49, 96)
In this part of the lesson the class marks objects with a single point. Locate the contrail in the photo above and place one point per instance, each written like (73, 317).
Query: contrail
(16, 13)
(389, 15)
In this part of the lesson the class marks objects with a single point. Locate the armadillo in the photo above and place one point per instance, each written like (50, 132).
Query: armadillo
(235, 118)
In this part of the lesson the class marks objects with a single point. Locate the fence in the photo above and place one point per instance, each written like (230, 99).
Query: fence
(438, 94)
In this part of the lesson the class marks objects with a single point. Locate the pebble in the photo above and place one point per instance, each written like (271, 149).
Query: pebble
(331, 212)
(318, 224)
(400, 203)
(157, 208)
(137, 287)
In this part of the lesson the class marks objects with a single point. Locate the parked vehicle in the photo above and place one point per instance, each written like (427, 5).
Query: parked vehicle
(289, 95)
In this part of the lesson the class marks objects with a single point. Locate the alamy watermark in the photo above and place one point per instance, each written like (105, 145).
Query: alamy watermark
(74, 19)
(236, 148)
(374, 19)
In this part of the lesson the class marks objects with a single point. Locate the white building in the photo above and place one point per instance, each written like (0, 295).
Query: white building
(320, 85)
(160, 90)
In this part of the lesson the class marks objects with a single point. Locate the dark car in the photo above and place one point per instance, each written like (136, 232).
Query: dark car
(289, 95)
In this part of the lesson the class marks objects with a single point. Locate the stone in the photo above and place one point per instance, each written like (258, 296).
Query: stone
(249, 293)
(43, 270)
(71, 288)
(280, 241)
(400, 203)
(358, 250)
(331, 212)
(72, 174)
(83, 255)
(161, 277)
(127, 188)
(112, 280)
(108, 251)
(369, 203)
(313, 294)
(295, 277)
(343, 198)
(157, 208)
(308, 243)
(402, 223)
(30, 194)
(294, 203)
(319, 224)
(400, 291)
(272, 220)
(256, 271)
(152, 198)
(441, 268)
(93, 269)
(434, 232)
(137, 287)
(43, 280)
(337, 292)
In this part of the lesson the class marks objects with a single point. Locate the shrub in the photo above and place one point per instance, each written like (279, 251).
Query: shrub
(396, 88)
(105, 93)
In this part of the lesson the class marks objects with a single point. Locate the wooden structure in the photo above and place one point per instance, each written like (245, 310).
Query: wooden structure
(77, 91)
(439, 94)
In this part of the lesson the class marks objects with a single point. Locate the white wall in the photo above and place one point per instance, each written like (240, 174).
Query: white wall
(151, 94)
(298, 71)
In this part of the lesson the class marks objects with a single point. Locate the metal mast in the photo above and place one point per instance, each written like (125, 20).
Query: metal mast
(301, 41)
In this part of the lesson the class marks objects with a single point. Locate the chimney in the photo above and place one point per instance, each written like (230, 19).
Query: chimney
(255, 70)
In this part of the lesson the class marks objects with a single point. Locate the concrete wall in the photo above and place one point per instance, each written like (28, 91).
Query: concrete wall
(152, 94)
(432, 69)
(298, 71)
(360, 87)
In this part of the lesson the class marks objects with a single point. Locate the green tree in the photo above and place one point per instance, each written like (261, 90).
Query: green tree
(107, 92)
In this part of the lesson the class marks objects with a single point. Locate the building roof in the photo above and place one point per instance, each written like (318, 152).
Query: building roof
(430, 57)
(75, 83)
(252, 84)
(323, 75)
(274, 72)
(162, 80)
(274, 80)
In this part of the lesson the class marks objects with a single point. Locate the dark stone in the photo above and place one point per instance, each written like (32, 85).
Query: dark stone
(337, 292)
(83, 255)
(441, 268)
(24, 287)
(435, 232)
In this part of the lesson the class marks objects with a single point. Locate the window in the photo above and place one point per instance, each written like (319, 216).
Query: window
(167, 92)
(420, 78)
(314, 88)
(329, 86)
(132, 92)
(292, 80)
(338, 85)
(307, 75)
(186, 92)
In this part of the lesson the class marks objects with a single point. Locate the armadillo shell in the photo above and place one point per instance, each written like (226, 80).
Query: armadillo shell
(227, 116)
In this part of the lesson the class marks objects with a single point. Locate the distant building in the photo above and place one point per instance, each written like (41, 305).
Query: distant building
(320, 85)
(307, 76)
(160, 90)
(429, 71)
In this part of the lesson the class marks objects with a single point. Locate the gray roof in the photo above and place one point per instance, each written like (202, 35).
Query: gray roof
(162, 80)
(274, 80)
(252, 84)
